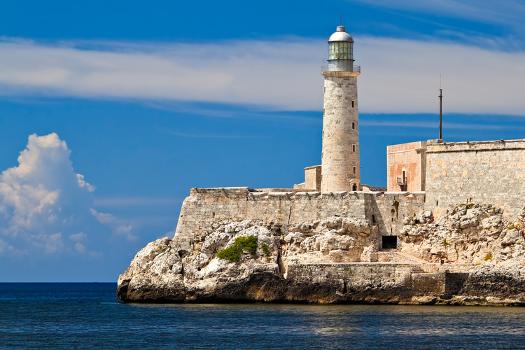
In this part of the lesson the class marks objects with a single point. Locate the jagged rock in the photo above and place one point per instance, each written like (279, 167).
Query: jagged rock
(312, 262)
(462, 236)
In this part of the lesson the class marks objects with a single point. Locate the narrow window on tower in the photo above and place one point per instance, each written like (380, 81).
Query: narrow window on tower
(353, 103)
(353, 148)
(353, 126)
(354, 170)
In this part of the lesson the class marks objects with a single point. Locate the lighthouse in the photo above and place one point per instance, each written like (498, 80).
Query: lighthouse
(340, 149)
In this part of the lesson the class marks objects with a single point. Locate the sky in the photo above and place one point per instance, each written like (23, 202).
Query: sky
(110, 111)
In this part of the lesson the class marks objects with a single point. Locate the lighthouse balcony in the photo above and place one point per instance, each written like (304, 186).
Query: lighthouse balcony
(341, 66)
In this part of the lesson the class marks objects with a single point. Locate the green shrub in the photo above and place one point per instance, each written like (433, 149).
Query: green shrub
(241, 245)
(266, 249)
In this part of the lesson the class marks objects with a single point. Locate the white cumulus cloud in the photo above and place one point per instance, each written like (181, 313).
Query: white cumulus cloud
(43, 200)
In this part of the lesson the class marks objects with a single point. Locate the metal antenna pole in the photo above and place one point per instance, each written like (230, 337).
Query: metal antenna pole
(441, 114)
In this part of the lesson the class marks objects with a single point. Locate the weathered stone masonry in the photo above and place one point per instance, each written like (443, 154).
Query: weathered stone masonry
(340, 169)
(489, 172)
(205, 206)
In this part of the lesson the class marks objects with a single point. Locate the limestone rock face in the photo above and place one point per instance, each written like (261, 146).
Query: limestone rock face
(472, 255)
(468, 234)
(163, 271)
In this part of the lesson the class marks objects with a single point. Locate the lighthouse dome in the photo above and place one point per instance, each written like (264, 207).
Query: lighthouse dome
(340, 35)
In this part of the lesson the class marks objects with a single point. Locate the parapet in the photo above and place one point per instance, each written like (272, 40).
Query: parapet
(476, 146)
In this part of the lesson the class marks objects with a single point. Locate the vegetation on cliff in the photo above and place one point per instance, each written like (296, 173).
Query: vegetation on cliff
(241, 245)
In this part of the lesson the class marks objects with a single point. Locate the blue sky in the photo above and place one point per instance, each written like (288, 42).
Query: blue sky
(148, 99)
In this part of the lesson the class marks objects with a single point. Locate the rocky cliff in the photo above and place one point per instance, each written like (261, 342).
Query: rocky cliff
(471, 255)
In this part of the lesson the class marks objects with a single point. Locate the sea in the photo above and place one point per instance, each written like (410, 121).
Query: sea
(87, 316)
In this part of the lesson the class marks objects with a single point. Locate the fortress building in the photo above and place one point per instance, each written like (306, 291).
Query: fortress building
(449, 227)
(438, 173)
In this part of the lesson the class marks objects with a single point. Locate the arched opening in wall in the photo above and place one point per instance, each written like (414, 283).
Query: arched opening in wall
(354, 187)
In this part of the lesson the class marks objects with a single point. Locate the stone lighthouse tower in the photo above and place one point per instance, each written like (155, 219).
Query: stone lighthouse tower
(340, 158)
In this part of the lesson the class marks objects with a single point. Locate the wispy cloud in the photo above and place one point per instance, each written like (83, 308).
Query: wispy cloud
(399, 76)
(508, 12)
(491, 24)
(239, 111)
(233, 72)
(192, 135)
(135, 201)
(433, 125)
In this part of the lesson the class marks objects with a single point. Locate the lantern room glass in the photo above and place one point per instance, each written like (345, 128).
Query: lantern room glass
(340, 50)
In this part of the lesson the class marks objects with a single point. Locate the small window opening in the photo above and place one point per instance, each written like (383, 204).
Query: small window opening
(353, 148)
(389, 242)
(354, 170)
(403, 185)
(353, 125)
(373, 219)
(353, 103)
(354, 187)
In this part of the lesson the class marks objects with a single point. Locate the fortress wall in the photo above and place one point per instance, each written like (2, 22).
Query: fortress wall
(391, 208)
(351, 276)
(491, 172)
(373, 280)
(204, 208)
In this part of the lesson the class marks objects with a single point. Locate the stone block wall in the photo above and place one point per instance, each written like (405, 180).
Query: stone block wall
(205, 207)
(491, 172)
(352, 276)
(312, 177)
(371, 281)
(389, 210)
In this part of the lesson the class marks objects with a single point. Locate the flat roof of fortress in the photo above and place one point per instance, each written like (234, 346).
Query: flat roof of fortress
(465, 146)
(444, 146)
(291, 191)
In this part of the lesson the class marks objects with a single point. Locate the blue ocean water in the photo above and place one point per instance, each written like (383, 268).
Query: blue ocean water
(86, 316)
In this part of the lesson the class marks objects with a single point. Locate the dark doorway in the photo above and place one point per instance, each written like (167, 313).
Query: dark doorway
(354, 187)
(389, 242)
